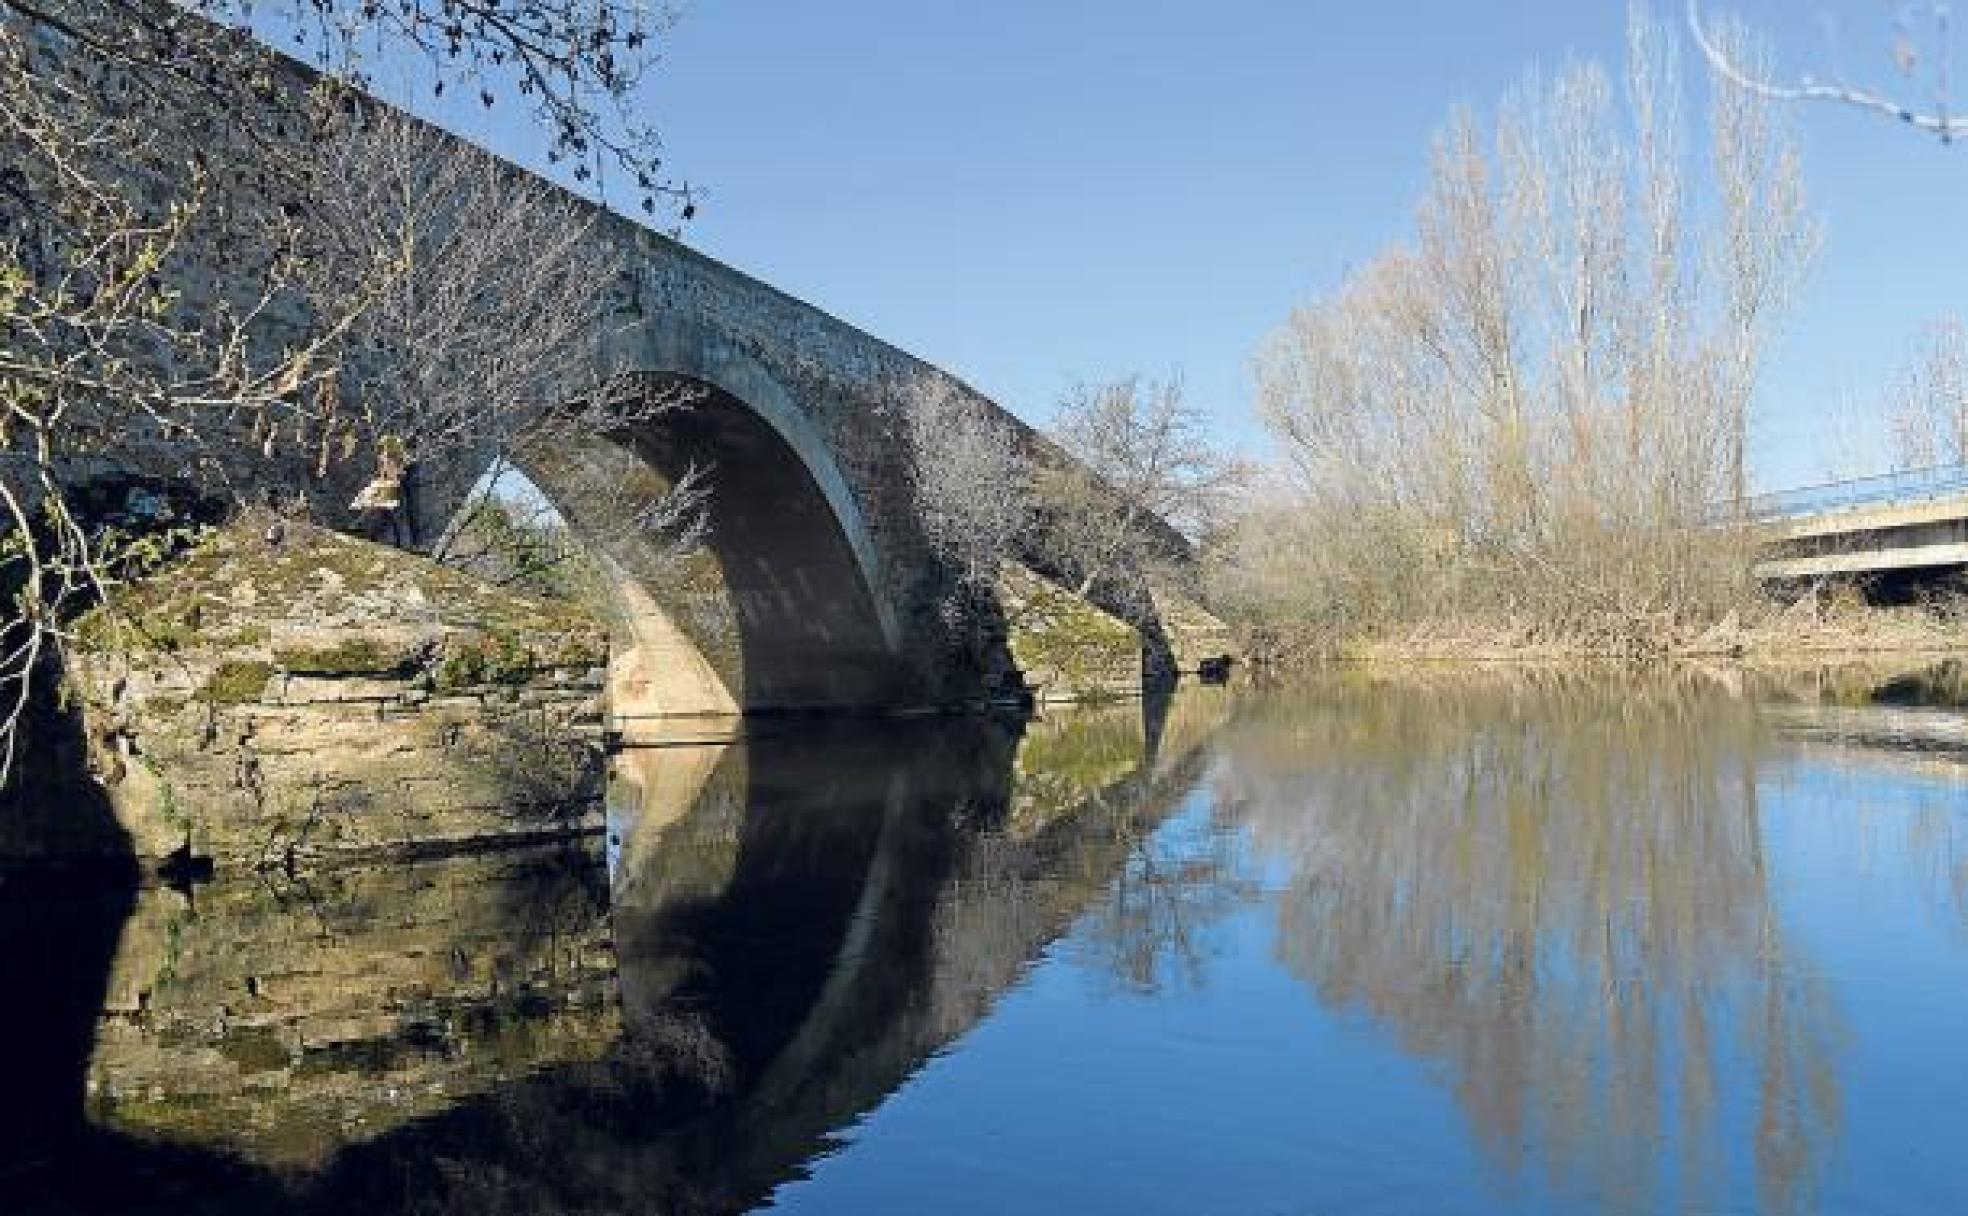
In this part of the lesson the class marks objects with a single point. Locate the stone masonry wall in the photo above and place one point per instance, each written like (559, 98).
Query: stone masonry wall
(283, 693)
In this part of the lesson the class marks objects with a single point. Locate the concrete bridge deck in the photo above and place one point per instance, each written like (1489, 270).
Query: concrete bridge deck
(1911, 521)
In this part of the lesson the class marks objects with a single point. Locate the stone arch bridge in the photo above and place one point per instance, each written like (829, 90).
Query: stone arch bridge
(815, 587)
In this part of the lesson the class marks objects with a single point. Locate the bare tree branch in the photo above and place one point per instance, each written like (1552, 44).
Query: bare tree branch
(577, 65)
(973, 482)
(1141, 460)
(1927, 402)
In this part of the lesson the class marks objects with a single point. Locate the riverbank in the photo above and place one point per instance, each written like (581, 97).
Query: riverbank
(1812, 627)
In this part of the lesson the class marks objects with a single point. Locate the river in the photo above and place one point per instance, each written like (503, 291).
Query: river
(1421, 942)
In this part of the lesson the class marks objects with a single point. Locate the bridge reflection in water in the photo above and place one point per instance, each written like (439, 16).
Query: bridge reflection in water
(776, 934)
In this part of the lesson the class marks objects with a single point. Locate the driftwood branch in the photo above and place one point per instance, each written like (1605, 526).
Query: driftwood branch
(1726, 66)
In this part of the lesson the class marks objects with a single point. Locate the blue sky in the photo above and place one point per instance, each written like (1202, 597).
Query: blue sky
(1031, 193)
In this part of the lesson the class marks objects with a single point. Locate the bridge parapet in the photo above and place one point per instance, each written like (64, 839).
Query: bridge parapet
(1905, 487)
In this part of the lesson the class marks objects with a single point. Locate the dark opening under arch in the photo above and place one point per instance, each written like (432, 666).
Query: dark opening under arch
(779, 609)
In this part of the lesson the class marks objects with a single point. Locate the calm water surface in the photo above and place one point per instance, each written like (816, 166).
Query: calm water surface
(1474, 943)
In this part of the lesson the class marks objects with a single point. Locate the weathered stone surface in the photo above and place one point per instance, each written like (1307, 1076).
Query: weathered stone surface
(1192, 634)
(1067, 649)
(351, 698)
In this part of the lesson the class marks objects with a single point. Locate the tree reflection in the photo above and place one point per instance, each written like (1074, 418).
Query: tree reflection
(1166, 889)
(1156, 925)
(1556, 889)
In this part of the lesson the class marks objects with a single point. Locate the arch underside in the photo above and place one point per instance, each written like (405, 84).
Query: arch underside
(773, 612)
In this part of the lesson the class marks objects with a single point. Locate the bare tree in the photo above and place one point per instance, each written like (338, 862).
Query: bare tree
(1767, 237)
(1140, 460)
(1129, 465)
(1927, 403)
(510, 534)
(1849, 438)
(1924, 23)
(489, 335)
(606, 504)
(973, 480)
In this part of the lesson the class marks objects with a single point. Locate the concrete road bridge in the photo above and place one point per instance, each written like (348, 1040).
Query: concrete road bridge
(1911, 523)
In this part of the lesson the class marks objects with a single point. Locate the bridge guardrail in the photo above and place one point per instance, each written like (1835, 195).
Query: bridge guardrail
(1883, 490)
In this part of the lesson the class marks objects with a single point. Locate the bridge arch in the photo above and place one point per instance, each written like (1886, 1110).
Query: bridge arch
(783, 607)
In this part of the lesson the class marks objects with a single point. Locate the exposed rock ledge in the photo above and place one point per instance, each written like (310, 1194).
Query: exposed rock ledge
(282, 693)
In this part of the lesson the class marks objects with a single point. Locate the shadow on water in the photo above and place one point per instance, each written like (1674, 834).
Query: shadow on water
(58, 933)
(778, 933)
(61, 921)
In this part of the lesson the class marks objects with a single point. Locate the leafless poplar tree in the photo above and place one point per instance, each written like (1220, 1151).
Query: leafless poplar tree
(1927, 403)
(1767, 238)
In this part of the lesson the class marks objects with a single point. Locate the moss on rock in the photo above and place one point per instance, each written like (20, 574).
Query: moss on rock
(274, 685)
(236, 682)
(1066, 647)
(359, 655)
(492, 658)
